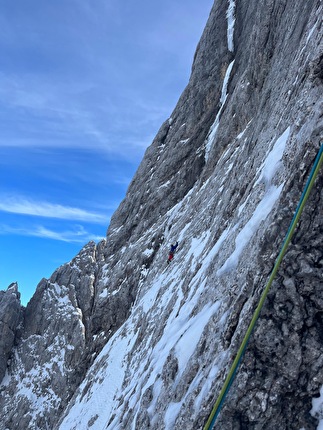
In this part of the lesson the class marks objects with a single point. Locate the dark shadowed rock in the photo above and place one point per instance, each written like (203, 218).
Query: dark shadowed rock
(10, 316)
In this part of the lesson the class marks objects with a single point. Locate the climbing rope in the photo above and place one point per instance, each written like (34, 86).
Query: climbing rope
(230, 377)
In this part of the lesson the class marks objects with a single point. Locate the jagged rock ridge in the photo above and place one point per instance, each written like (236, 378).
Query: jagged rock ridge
(116, 339)
(9, 320)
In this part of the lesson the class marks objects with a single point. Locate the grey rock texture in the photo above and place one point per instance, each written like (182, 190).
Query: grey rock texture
(116, 339)
(10, 316)
(51, 353)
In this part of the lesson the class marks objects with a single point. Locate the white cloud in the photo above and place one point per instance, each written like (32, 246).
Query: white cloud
(91, 84)
(77, 115)
(76, 235)
(24, 206)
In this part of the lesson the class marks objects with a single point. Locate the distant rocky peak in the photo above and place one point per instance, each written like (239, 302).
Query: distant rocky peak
(10, 316)
(13, 289)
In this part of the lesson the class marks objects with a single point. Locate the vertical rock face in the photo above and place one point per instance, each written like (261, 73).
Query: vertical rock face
(48, 357)
(10, 316)
(117, 338)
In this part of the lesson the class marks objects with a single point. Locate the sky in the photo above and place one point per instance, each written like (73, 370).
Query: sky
(84, 87)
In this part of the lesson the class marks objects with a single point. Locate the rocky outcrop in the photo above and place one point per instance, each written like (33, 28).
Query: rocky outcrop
(282, 369)
(117, 338)
(10, 316)
(50, 356)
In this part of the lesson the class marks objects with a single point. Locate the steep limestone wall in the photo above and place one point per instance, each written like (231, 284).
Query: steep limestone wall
(116, 338)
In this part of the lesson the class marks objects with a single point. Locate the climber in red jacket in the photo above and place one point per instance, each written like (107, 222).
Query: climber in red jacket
(171, 252)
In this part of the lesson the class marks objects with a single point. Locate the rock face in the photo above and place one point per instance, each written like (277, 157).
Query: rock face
(118, 339)
(10, 316)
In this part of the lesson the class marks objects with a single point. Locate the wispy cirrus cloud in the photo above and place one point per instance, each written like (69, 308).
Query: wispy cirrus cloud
(24, 206)
(66, 82)
(75, 235)
(36, 113)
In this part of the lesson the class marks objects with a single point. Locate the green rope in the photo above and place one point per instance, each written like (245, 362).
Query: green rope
(230, 377)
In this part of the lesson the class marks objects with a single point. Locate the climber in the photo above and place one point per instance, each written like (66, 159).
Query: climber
(171, 252)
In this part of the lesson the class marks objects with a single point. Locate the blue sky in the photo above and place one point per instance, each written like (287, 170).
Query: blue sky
(84, 88)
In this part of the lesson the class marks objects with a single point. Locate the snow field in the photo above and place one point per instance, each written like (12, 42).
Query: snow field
(273, 161)
(173, 310)
(262, 211)
(231, 21)
(179, 337)
(107, 375)
(214, 127)
(266, 173)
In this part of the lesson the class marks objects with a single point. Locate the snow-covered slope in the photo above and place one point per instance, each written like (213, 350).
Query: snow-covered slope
(180, 309)
(120, 339)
